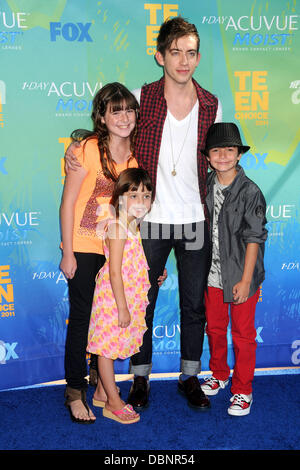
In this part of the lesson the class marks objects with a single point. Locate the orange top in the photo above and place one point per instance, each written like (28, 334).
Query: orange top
(92, 206)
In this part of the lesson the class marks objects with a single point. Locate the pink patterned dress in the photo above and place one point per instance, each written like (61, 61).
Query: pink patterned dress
(105, 337)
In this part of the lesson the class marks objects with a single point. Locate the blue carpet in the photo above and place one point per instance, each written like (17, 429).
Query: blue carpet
(35, 419)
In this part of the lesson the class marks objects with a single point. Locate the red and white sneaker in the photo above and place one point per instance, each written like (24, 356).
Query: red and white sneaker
(211, 385)
(241, 404)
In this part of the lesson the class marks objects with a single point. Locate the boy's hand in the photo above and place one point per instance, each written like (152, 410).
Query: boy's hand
(71, 162)
(162, 278)
(124, 318)
(240, 292)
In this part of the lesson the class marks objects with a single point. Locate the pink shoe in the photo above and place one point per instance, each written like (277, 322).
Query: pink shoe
(119, 415)
(98, 403)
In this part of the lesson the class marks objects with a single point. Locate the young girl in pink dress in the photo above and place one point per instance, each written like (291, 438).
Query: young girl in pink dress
(117, 322)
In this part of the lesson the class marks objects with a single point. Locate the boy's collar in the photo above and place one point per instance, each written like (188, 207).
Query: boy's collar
(240, 173)
(203, 102)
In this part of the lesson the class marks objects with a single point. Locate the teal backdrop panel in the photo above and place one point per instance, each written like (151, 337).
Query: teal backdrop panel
(55, 56)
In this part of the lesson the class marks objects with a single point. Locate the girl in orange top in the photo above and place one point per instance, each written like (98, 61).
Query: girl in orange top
(84, 213)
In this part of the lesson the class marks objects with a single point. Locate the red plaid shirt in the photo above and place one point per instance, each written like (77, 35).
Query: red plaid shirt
(153, 112)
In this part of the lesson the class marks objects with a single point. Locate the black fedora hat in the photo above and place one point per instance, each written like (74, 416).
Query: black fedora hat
(224, 134)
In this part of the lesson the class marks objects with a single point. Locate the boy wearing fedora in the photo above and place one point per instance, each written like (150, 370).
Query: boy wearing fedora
(237, 210)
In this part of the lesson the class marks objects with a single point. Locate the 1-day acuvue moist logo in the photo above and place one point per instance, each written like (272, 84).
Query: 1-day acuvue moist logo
(254, 32)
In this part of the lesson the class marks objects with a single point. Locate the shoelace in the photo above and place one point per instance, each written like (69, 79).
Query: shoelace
(210, 381)
(238, 399)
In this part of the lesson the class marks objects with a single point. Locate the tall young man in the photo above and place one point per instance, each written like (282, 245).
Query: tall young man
(175, 114)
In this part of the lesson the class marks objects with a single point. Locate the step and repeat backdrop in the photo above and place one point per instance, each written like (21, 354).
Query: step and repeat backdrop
(55, 56)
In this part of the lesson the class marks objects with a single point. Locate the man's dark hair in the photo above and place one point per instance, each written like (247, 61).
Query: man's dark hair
(173, 29)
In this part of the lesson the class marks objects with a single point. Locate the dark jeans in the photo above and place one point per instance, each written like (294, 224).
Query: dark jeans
(191, 246)
(81, 292)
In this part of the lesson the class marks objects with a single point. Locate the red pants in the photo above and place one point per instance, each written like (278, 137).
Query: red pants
(243, 337)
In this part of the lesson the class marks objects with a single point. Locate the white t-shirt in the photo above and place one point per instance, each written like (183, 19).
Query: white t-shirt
(177, 198)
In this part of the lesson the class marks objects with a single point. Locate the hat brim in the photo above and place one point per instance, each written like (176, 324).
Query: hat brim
(244, 148)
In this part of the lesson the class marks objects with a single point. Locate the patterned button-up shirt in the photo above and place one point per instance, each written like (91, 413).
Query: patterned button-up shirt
(153, 112)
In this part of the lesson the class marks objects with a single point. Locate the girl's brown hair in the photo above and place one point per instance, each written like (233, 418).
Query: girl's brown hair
(129, 180)
(112, 96)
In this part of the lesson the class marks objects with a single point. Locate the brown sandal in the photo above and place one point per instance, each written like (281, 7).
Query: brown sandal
(72, 394)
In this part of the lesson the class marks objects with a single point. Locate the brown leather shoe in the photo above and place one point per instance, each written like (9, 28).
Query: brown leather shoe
(192, 390)
(139, 393)
(93, 378)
